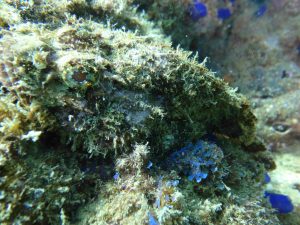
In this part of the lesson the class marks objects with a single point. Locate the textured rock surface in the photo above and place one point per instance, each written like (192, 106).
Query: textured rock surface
(84, 85)
(261, 42)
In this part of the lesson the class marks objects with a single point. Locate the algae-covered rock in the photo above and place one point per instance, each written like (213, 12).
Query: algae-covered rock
(120, 86)
(82, 82)
(143, 193)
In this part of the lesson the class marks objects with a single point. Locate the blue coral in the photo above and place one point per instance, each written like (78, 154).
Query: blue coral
(197, 161)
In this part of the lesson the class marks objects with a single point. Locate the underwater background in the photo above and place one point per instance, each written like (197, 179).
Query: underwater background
(127, 112)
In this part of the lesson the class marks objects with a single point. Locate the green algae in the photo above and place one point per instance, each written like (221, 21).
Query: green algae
(84, 82)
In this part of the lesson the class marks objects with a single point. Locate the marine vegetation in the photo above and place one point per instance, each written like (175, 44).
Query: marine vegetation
(95, 100)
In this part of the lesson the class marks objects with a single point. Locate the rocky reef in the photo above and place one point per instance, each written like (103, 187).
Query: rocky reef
(255, 46)
(94, 104)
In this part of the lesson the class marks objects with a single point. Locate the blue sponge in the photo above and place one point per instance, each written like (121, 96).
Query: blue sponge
(224, 13)
(281, 203)
(197, 161)
(197, 10)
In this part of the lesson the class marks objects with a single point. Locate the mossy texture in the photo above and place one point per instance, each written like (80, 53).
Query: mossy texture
(121, 86)
(140, 194)
(82, 83)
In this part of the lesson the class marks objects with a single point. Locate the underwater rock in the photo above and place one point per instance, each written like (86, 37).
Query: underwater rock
(122, 86)
(262, 61)
(278, 120)
(140, 196)
(257, 50)
(82, 82)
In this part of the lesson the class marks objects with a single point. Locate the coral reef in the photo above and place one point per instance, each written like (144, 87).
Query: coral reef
(253, 45)
(83, 84)
(162, 196)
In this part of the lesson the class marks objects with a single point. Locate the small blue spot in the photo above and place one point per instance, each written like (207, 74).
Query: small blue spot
(281, 203)
(267, 178)
(152, 220)
(175, 183)
(167, 197)
(38, 192)
(224, 13)
(149, 165)
(157, 203)
(261, 11)
(172, 183)
(28, 205)
(198, 179)
(116, 176)
(298, 49)
(191, 177)
(198, 10)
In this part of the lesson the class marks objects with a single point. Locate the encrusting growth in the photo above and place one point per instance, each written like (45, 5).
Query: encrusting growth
(83, 84)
